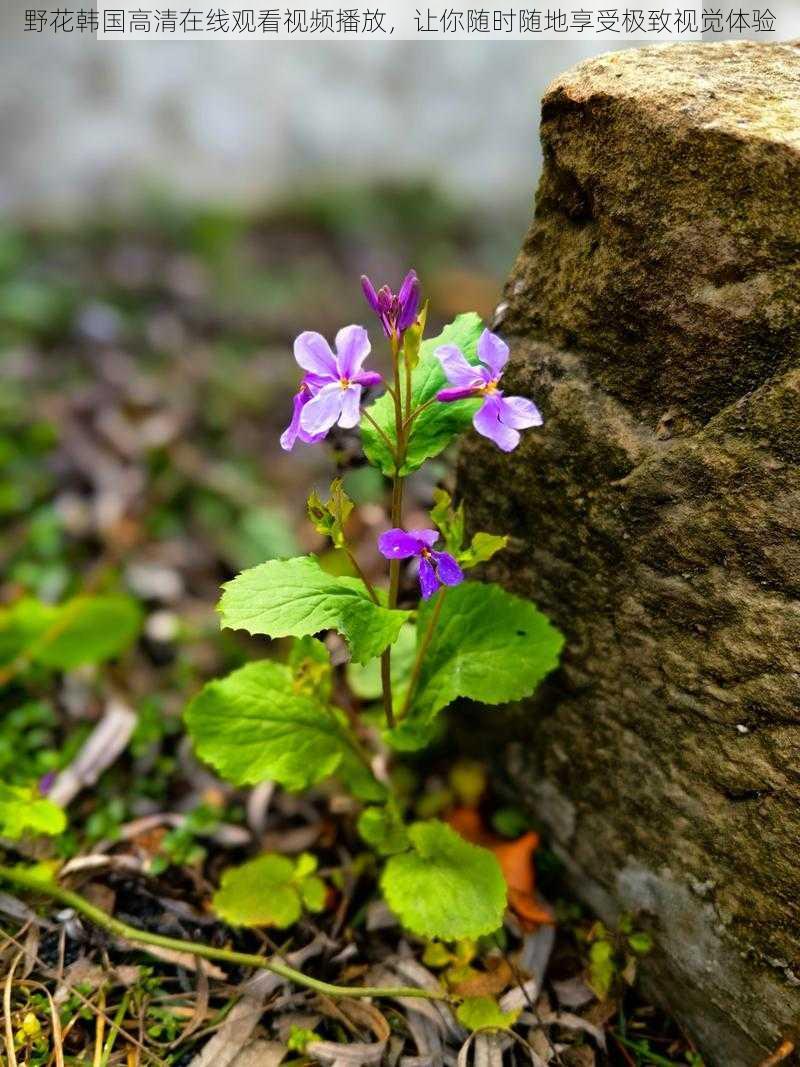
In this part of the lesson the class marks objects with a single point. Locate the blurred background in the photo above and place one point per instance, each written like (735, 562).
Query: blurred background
(171, 216)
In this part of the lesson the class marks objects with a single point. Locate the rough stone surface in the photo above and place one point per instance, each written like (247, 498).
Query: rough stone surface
(654, 313)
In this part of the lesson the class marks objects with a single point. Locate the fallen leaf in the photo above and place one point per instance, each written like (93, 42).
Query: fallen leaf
(516, 861)
(490, 983)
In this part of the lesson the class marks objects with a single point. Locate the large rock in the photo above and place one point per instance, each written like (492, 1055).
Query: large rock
(654, 313)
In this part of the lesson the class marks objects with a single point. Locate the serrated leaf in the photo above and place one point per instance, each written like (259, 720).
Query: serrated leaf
(445, 887)
(435, 427)
(22, 810)
(296, 598)
(488, 645)
(268, 891)
(253, 725)
(383, 830)
(483, 1013)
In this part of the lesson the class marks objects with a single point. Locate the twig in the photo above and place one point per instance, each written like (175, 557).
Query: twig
(26, 880)
(12, 1056)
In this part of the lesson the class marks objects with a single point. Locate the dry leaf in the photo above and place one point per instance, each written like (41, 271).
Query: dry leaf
(515, 859)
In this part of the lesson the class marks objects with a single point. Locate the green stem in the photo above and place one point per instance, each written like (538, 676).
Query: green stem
(25, 879)
(357, 566)
(423, 648)
(396, 521)
(417, 411)
(387, 440)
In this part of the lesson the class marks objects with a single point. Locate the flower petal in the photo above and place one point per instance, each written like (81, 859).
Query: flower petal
(426, 537)
(493, 352)
(408, 300)
(370, 293)
(315, 382)
(322, 411)
(313, 353)
(367, 378)
(447, 569)
(397, 544)
(486, 421)
(519, 412)
(290, 434)
(351, 407)
(428, 582)
(352, 348)
(457, 370)
(457, 393)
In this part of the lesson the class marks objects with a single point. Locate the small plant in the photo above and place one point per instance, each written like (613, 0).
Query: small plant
(280, 721)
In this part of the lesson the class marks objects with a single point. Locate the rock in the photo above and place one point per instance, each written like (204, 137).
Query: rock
(654, 313)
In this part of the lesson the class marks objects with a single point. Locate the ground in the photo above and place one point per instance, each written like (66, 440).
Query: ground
(146, 378)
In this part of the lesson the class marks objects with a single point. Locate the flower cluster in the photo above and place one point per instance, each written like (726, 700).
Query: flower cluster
(330, 394)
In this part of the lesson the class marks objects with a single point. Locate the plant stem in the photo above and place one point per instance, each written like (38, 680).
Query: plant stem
(417, 411)
(396, 521)
(423, 648)
(24, 879)
(357, 566)
(387, 440)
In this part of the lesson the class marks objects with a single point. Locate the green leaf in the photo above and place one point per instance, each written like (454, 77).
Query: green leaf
(329, 519)
(483, 1013)
(300, 1038)
(269, 891)
(365, 681)
(602, 968)
(445, 887)
(383, 830)
(488, 645)
(254, 725)
(449, 520)
(88, 630)
(23, 810)
(483, 547)
(435, 427)
(641, 943)
(295, 598)
(310, 664)
(82, 630)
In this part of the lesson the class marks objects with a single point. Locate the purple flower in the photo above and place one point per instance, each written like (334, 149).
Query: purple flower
(46, 783)
(396, 311)
(294, 431)
(435, 568)
(331, 389)
(500, 418)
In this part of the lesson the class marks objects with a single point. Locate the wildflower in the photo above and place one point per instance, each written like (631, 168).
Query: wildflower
(396, 311)
(435, 568)
(46, 783)
(294, 431)
(499, 417)
(331, 389)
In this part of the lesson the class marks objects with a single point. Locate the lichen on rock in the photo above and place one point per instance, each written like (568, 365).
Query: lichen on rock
(654, 314)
